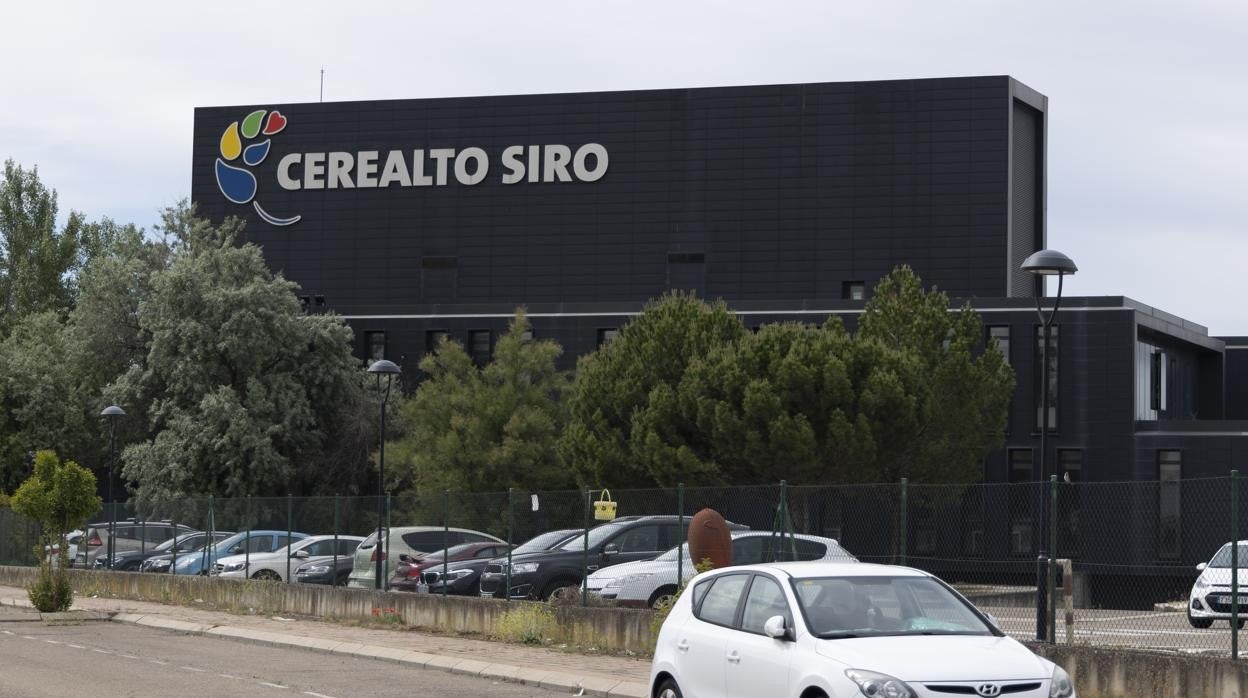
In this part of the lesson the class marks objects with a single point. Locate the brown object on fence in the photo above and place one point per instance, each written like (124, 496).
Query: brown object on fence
(709, 539)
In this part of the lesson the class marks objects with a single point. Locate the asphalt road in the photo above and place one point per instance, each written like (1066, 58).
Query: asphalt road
(108, 659)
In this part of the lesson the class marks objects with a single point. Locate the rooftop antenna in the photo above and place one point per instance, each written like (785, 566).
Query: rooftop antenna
(322, 83)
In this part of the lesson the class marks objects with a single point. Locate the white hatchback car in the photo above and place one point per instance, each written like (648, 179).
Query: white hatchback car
(836, 630)
(647, 582)
(1210, 598)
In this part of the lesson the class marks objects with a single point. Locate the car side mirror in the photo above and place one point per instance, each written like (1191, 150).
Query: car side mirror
(1202, 567)
(611, 549)
(301, 554)
(236, 550)
(776, 628)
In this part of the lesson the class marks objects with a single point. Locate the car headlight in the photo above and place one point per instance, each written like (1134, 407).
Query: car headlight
(458, 574)
(876, 685)
(233, 566)
(525, 567)
(314, 569)
(628, 579)
(1060, 685)
(154, 564)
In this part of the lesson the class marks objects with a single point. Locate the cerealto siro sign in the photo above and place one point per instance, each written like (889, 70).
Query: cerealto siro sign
(437, 167)
(246, 143)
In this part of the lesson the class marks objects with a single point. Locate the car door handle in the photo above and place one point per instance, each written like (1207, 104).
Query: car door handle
(734, 657)
(683, 646)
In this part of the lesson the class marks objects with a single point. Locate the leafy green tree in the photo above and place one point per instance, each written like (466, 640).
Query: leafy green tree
(474, 429)
(40, 401)
(960, 398)
(240, 391)
(37, 260)
(638, 370)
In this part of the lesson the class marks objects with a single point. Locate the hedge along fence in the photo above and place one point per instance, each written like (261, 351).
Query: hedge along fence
(605, 629)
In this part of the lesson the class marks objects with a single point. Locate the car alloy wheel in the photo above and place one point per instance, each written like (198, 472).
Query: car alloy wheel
(662, 595)
(267, 576)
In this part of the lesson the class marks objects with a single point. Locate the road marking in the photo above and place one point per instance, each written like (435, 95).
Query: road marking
(127, 656)
(272, 685)
(28, 637)
(6, 632)
(54, 642)
(316, 695)
(157, 661)
(77, 647)
(229, 676)
(191, 668)
(101, 651)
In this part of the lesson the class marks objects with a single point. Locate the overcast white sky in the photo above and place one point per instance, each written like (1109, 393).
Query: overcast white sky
(1148, 130)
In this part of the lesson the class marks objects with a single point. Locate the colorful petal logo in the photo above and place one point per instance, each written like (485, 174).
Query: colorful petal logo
(238, 184)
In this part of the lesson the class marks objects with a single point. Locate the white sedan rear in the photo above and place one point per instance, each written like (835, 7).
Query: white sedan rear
(839, 630)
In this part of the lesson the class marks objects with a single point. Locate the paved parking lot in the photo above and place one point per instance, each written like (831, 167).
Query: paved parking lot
(1109, 628)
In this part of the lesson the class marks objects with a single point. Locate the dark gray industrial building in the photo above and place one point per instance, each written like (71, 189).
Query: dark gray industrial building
(414, 218)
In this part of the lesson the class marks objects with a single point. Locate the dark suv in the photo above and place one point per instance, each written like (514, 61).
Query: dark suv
(540, 575)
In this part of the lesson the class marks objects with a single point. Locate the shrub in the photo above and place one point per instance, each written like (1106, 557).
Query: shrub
(527, 623)
(51, 592)
(664, 607)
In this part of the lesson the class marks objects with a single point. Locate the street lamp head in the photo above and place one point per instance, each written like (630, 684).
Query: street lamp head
(383, 367)
(113, 411)
(1049, 263)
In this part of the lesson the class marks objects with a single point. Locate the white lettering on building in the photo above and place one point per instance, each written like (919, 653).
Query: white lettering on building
(373, 169)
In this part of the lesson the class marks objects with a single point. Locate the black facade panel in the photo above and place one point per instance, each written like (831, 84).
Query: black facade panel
(789, 190)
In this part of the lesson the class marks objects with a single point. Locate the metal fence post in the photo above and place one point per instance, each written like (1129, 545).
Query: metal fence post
(903, 535)
(173, 566)
(784, 515)
(1052, 585)
(446, 534)
(209, 538)
(246, 539)
(511, 524)
(333, 573)
(684, 536)
(385, 582)
(1234, 564)
(289, 532)
(585, 550)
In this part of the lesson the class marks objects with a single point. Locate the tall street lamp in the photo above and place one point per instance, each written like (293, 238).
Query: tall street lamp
(1045, 263)
(112, 413)
(388, 369)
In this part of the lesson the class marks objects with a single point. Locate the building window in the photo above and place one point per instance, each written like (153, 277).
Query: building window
(1070, 467)
(433, 338)
(1169, 475)
(479, 346)
(1157, 381)
(999, 337)
(1038, 384)
(375, 345)
(853, 290)
(607, 334)
(1021, 464)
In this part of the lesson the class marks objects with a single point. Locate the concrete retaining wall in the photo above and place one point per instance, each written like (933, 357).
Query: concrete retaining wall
(1110, 673)
(603, 628)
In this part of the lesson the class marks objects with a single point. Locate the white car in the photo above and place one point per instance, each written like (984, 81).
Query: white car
(649, 582)
(1210, 598)
(839, 630)
(413, 541)
(273, 566)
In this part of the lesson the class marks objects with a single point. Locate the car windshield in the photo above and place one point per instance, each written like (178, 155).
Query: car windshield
(847, 607)
(183, 539)
(1223, 557)
(597, 535)
(544, 541)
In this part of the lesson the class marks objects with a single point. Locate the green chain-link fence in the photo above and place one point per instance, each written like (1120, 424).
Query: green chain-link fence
(1130, 549)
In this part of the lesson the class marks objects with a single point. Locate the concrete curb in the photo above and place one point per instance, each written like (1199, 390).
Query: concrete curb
(551, 680)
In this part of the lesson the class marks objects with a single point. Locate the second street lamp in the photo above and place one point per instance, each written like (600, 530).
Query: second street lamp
(112, 413)
(389, 370)
(1045, 263)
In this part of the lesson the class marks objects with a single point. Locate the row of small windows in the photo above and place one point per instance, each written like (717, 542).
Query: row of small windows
(480, 344)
